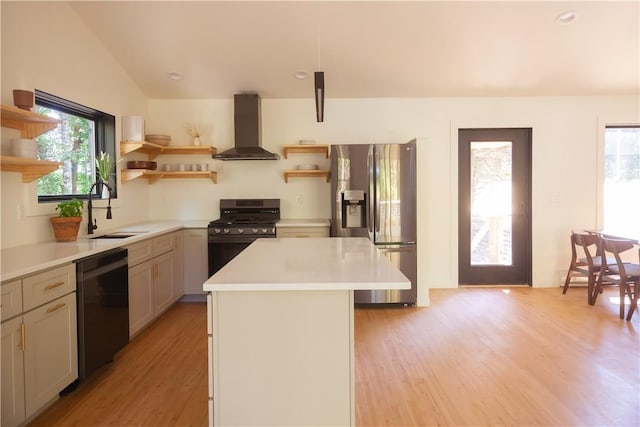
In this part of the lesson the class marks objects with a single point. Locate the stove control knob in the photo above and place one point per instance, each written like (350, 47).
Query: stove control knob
(240, 230)
(226, 231)
(255, 230)
(217, 230)
(264, 231)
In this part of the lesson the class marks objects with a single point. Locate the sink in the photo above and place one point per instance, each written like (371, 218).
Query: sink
(114, 236)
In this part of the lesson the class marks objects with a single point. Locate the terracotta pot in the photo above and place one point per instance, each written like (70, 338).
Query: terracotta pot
(65, 229)
(23, 99)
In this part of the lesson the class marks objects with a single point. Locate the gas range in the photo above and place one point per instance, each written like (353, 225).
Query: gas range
(246, 217)
(241, 222)
(254, 228)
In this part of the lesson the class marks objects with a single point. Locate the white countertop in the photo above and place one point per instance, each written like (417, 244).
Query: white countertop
(283, 223)
(23, 260)
(328, 263)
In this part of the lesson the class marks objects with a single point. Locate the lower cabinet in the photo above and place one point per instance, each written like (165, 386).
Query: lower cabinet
(152, 279)
(163, 279)
(140, 296)
(51, 351)
(13, 401)
(39, 347)
(196, 260)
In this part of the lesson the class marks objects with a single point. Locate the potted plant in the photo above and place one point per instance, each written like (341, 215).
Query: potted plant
(104, 166)
(66, 225)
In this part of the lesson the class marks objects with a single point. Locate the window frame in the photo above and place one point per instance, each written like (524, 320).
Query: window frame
(104, 138)
(603, 125)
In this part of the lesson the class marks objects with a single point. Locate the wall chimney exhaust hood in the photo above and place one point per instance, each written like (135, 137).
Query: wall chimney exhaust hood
(247, 130)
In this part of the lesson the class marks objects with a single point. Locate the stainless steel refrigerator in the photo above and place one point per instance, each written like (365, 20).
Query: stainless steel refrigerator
(373, 193)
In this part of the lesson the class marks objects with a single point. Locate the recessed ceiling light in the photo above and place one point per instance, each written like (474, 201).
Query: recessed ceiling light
(566, 17)
(300, 75)
(176, 76)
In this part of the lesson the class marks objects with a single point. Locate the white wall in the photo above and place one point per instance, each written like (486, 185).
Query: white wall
(567, 136)
(46, 46)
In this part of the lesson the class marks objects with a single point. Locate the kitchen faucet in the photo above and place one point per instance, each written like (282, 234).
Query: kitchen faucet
(92, 223)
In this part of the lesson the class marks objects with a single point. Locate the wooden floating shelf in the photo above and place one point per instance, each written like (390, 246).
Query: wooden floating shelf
(154, 150)
(306, 174)
(305, 149)
(31, 169)
(29, 124)
(153, 176)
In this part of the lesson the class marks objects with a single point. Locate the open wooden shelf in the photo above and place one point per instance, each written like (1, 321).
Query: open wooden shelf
(305, 149)
(153, 176)
(154, 150)
(31, 169)
(306, 174)
(29, 124)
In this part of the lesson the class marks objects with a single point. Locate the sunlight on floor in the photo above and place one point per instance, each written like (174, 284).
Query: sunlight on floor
(616, 300)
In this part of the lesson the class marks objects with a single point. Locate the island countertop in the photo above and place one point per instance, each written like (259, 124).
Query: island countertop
(329, 263)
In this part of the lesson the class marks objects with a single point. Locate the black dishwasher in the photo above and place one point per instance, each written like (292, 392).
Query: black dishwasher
(103, 309)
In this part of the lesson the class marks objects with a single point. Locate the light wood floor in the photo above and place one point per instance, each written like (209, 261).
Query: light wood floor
(476, 357)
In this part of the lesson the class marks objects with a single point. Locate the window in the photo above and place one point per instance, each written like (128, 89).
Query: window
(622, 180)
(82, 133)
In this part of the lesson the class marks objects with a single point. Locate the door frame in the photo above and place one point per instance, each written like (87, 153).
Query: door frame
(455, 202)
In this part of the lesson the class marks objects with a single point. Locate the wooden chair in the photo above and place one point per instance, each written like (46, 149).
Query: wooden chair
(626, 275)
(588, 266)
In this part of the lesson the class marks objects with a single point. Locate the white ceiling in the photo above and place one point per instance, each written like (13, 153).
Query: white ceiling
(372, 49)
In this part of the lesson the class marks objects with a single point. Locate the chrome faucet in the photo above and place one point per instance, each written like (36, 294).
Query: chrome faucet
(92, 223)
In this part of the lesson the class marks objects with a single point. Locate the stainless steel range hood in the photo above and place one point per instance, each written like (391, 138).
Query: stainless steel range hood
(248, 131)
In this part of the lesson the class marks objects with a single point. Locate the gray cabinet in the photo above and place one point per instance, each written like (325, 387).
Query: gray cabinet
(39, 341)
(152, 279)
(196, 268)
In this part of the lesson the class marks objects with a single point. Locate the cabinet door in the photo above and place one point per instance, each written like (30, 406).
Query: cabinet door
(48, 285)
(51, 351)
(140, 296)
(196, 267)
(11, 299)
(12, 373)
(139, 252)
(163, 282)
(178, 255)
(162, 244)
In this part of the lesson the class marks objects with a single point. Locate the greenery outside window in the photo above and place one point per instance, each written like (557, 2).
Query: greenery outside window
(83, 133)
(622, 180)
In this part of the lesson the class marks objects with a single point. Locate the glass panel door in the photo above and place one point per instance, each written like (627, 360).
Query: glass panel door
(491, 186)
(494, 206)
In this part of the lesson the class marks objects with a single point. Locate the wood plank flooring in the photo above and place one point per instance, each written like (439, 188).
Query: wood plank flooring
(476, 357)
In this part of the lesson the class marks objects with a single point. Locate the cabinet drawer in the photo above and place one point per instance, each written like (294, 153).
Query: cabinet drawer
(303, 232)
(48, 285)
(163, 244)
(139, 252)
(11, 299)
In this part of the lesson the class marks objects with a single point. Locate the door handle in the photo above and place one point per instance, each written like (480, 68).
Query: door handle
(55, 307)
(53, 286)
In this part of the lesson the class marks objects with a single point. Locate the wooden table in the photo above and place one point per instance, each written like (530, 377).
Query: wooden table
(614, 235)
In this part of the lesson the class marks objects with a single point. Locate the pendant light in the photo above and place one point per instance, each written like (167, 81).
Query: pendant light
(319, 93)
(319, 78)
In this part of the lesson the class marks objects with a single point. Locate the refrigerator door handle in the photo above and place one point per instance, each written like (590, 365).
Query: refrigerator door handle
(371, 208)
(410, 248)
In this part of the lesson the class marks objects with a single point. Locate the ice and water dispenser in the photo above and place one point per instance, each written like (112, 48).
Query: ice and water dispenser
(354, 209)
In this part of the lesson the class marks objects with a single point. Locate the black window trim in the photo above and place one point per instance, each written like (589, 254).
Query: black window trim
(105, 137)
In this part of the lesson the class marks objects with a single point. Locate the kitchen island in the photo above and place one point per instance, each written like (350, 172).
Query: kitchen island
(280, 322)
